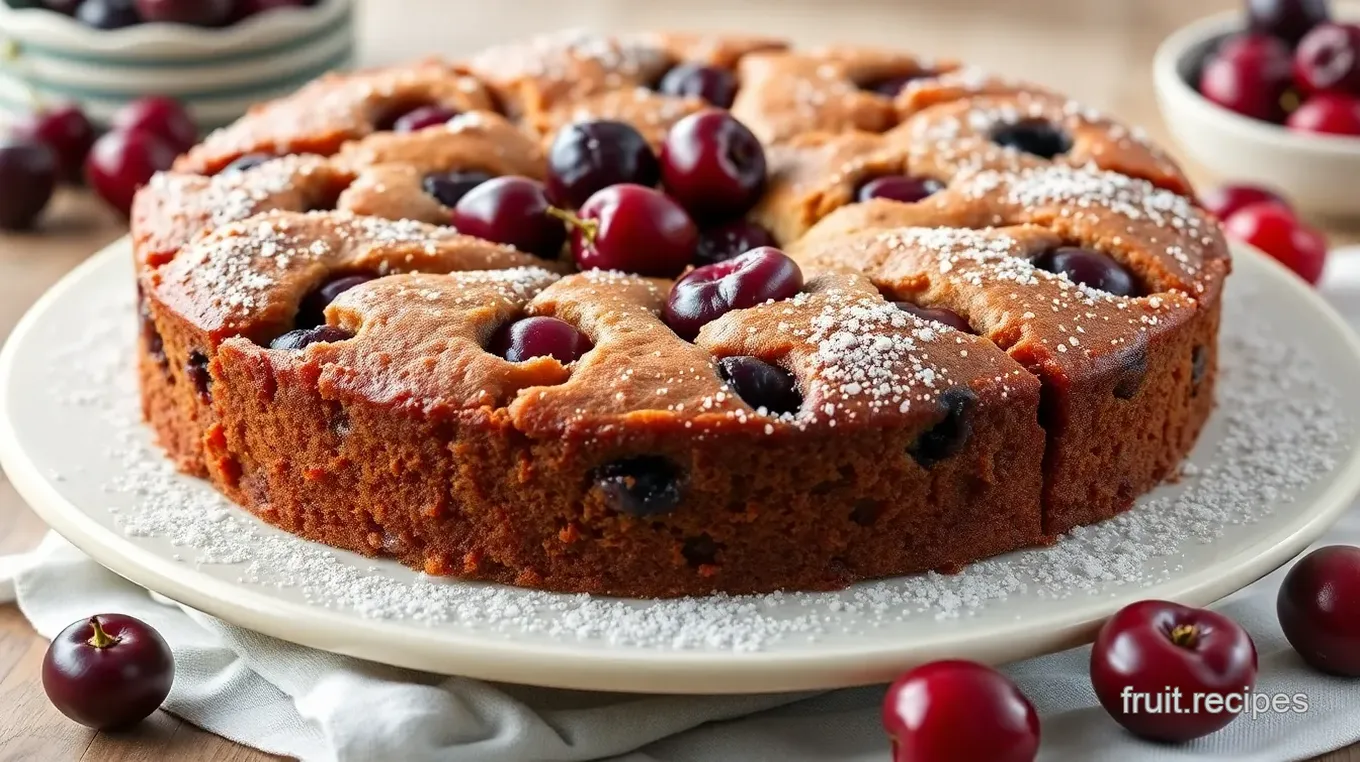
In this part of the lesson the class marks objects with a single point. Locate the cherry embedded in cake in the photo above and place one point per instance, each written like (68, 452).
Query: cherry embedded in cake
(617, 340)
(587, 157)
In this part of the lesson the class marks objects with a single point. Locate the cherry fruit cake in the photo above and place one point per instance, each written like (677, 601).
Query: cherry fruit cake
(664, 315)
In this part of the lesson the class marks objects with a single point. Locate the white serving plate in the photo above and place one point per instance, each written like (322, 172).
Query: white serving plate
(71, 444)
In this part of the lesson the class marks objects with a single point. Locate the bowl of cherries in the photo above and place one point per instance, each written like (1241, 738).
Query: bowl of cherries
(218, 57)
(1271, 95)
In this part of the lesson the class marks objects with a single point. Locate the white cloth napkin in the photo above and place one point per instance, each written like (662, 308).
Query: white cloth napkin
(320, 707)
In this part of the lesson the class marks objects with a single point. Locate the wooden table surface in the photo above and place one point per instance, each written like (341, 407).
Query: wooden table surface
(1099, 51)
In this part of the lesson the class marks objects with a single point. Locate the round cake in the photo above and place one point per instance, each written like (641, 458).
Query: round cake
(991, 317)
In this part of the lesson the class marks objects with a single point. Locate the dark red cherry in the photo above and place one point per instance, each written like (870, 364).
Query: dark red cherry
(66, 130)
(192, 12)
(108, 14)
(732, 239)
(709, 292)
(904, 188)
(713, 165)
(513, 211)
(1035, 136)
(28, 175)
(1288, 20)
(692, 80)
(647, 485)
(632, 229)
(540, 336)
(1327, 114)
(164, 117)
(305, 337)
(423, 118)
(1317, 611)
(937, 314)
(587, 157)
(312, 311)
(1249, 75)
(959, 711)
(1089, 268)
(448, 188)
(108, 672)
(767, 388)
(121, 162)
(1224, 200)
(248, 162)
(950, 434)
(1328, 59)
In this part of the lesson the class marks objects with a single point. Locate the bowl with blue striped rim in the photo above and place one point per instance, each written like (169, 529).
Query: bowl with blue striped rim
(217, 73)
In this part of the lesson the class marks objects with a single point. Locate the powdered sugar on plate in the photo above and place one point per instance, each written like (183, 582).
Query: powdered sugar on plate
(1278, 429)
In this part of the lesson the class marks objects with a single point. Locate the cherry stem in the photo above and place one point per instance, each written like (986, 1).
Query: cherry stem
(588, 228)
(100, 638)
(1184, 635)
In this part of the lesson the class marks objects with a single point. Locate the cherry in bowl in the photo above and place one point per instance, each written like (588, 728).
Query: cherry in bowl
(1155, 656)
(1249, 75)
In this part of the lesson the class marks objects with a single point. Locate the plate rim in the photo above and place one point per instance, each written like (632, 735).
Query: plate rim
(443, 649)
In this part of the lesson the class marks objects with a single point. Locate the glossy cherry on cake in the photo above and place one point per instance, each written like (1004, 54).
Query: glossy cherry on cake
(160, 116)
(764, 386)
(123, 161)
(719, 243)
(66, 130)
(646, 485)
(28, 175)
(423, 118)
(448, 188)
(904, 188)
(1328, 59)
(713, 165)
(1033, 136)
(632, 229)
(1319, 609)
(1327, 114)
(709, 292)
(192, 12)
(108, 672)
(1151, 648)
(691, 80)
(1287, 20)
(540, 336)
(1276, 231)
(302, 338)
(1250, 75)
(1226, 200)
(959, 711)
(936, 314)
(1089, 268)
(312, 311)
(513, 211)
(587, 157)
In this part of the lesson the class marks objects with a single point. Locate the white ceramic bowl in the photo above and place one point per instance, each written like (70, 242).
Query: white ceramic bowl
(1318, 173)
(218, 73)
